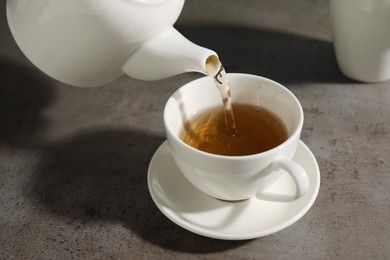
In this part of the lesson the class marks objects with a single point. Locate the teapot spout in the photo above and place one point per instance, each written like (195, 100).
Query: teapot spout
(167, 54)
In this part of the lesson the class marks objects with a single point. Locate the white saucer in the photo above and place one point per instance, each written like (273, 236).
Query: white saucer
(193, 210)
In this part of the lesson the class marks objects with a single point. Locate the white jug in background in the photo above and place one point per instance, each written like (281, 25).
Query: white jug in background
(93, 42)
(361, 38)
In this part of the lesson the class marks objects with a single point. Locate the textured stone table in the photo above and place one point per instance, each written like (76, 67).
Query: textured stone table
(73, 161)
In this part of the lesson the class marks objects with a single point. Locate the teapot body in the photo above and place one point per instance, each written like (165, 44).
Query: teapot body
(86, 42)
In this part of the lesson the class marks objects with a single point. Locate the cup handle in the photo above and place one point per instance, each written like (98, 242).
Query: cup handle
(296, 171)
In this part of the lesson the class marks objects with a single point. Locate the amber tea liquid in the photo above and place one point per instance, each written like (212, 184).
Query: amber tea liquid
(237, 129)
(256, 130)
(215, 69)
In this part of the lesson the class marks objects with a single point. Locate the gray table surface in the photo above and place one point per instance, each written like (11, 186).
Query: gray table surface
(73, 161)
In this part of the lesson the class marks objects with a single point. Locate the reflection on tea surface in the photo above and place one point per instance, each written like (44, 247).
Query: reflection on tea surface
(256, 130)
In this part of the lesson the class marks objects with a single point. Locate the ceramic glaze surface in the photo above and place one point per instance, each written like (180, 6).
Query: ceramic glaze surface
(195, 211)
(361, 38)
(90, 42)
(235, 177)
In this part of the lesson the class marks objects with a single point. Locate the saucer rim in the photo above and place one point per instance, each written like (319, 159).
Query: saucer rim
(175, 218)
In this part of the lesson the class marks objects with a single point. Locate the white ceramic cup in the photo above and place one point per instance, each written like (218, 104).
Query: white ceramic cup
(236, 177)
(361, 38)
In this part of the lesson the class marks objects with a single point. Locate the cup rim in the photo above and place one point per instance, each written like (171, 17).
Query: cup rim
(291, 138)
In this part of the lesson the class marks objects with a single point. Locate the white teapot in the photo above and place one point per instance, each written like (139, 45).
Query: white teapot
(93, 42)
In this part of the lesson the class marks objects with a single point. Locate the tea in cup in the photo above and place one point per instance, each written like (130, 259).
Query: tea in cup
(235, 164)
